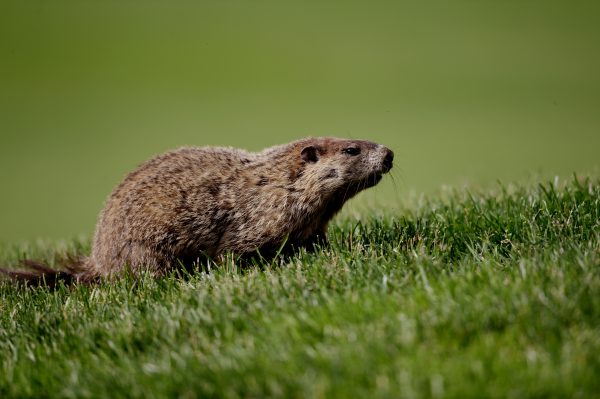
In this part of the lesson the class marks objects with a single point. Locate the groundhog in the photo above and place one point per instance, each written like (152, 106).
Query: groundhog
(205, 202)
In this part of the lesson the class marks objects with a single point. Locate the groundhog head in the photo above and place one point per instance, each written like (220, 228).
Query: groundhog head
(344, 166)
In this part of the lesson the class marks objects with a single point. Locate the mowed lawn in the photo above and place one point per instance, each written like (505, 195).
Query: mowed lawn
(482, 294)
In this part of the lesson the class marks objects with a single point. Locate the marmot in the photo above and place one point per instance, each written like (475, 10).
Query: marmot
(208, 201)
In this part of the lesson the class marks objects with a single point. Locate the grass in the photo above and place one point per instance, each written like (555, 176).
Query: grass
(493, 294)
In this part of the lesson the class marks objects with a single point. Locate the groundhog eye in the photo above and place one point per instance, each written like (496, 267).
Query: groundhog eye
(351, 150)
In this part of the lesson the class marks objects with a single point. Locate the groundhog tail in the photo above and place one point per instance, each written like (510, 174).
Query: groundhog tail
(39, 274)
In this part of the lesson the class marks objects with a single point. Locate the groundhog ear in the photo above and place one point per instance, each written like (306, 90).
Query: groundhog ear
(309, 154)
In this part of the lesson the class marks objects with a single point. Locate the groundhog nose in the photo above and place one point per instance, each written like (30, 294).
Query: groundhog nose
(388, 160)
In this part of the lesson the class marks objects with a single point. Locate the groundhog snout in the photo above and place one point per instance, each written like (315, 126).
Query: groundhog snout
(388, 160)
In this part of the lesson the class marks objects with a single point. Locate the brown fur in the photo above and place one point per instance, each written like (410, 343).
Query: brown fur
(207, 201)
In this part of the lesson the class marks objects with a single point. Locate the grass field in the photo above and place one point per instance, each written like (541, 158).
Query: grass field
(481, 294)
(489, 294)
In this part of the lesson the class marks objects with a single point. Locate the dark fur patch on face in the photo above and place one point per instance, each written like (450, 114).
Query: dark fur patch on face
(331, 174)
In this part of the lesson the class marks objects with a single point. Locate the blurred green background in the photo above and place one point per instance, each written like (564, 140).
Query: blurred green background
(463, 91)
